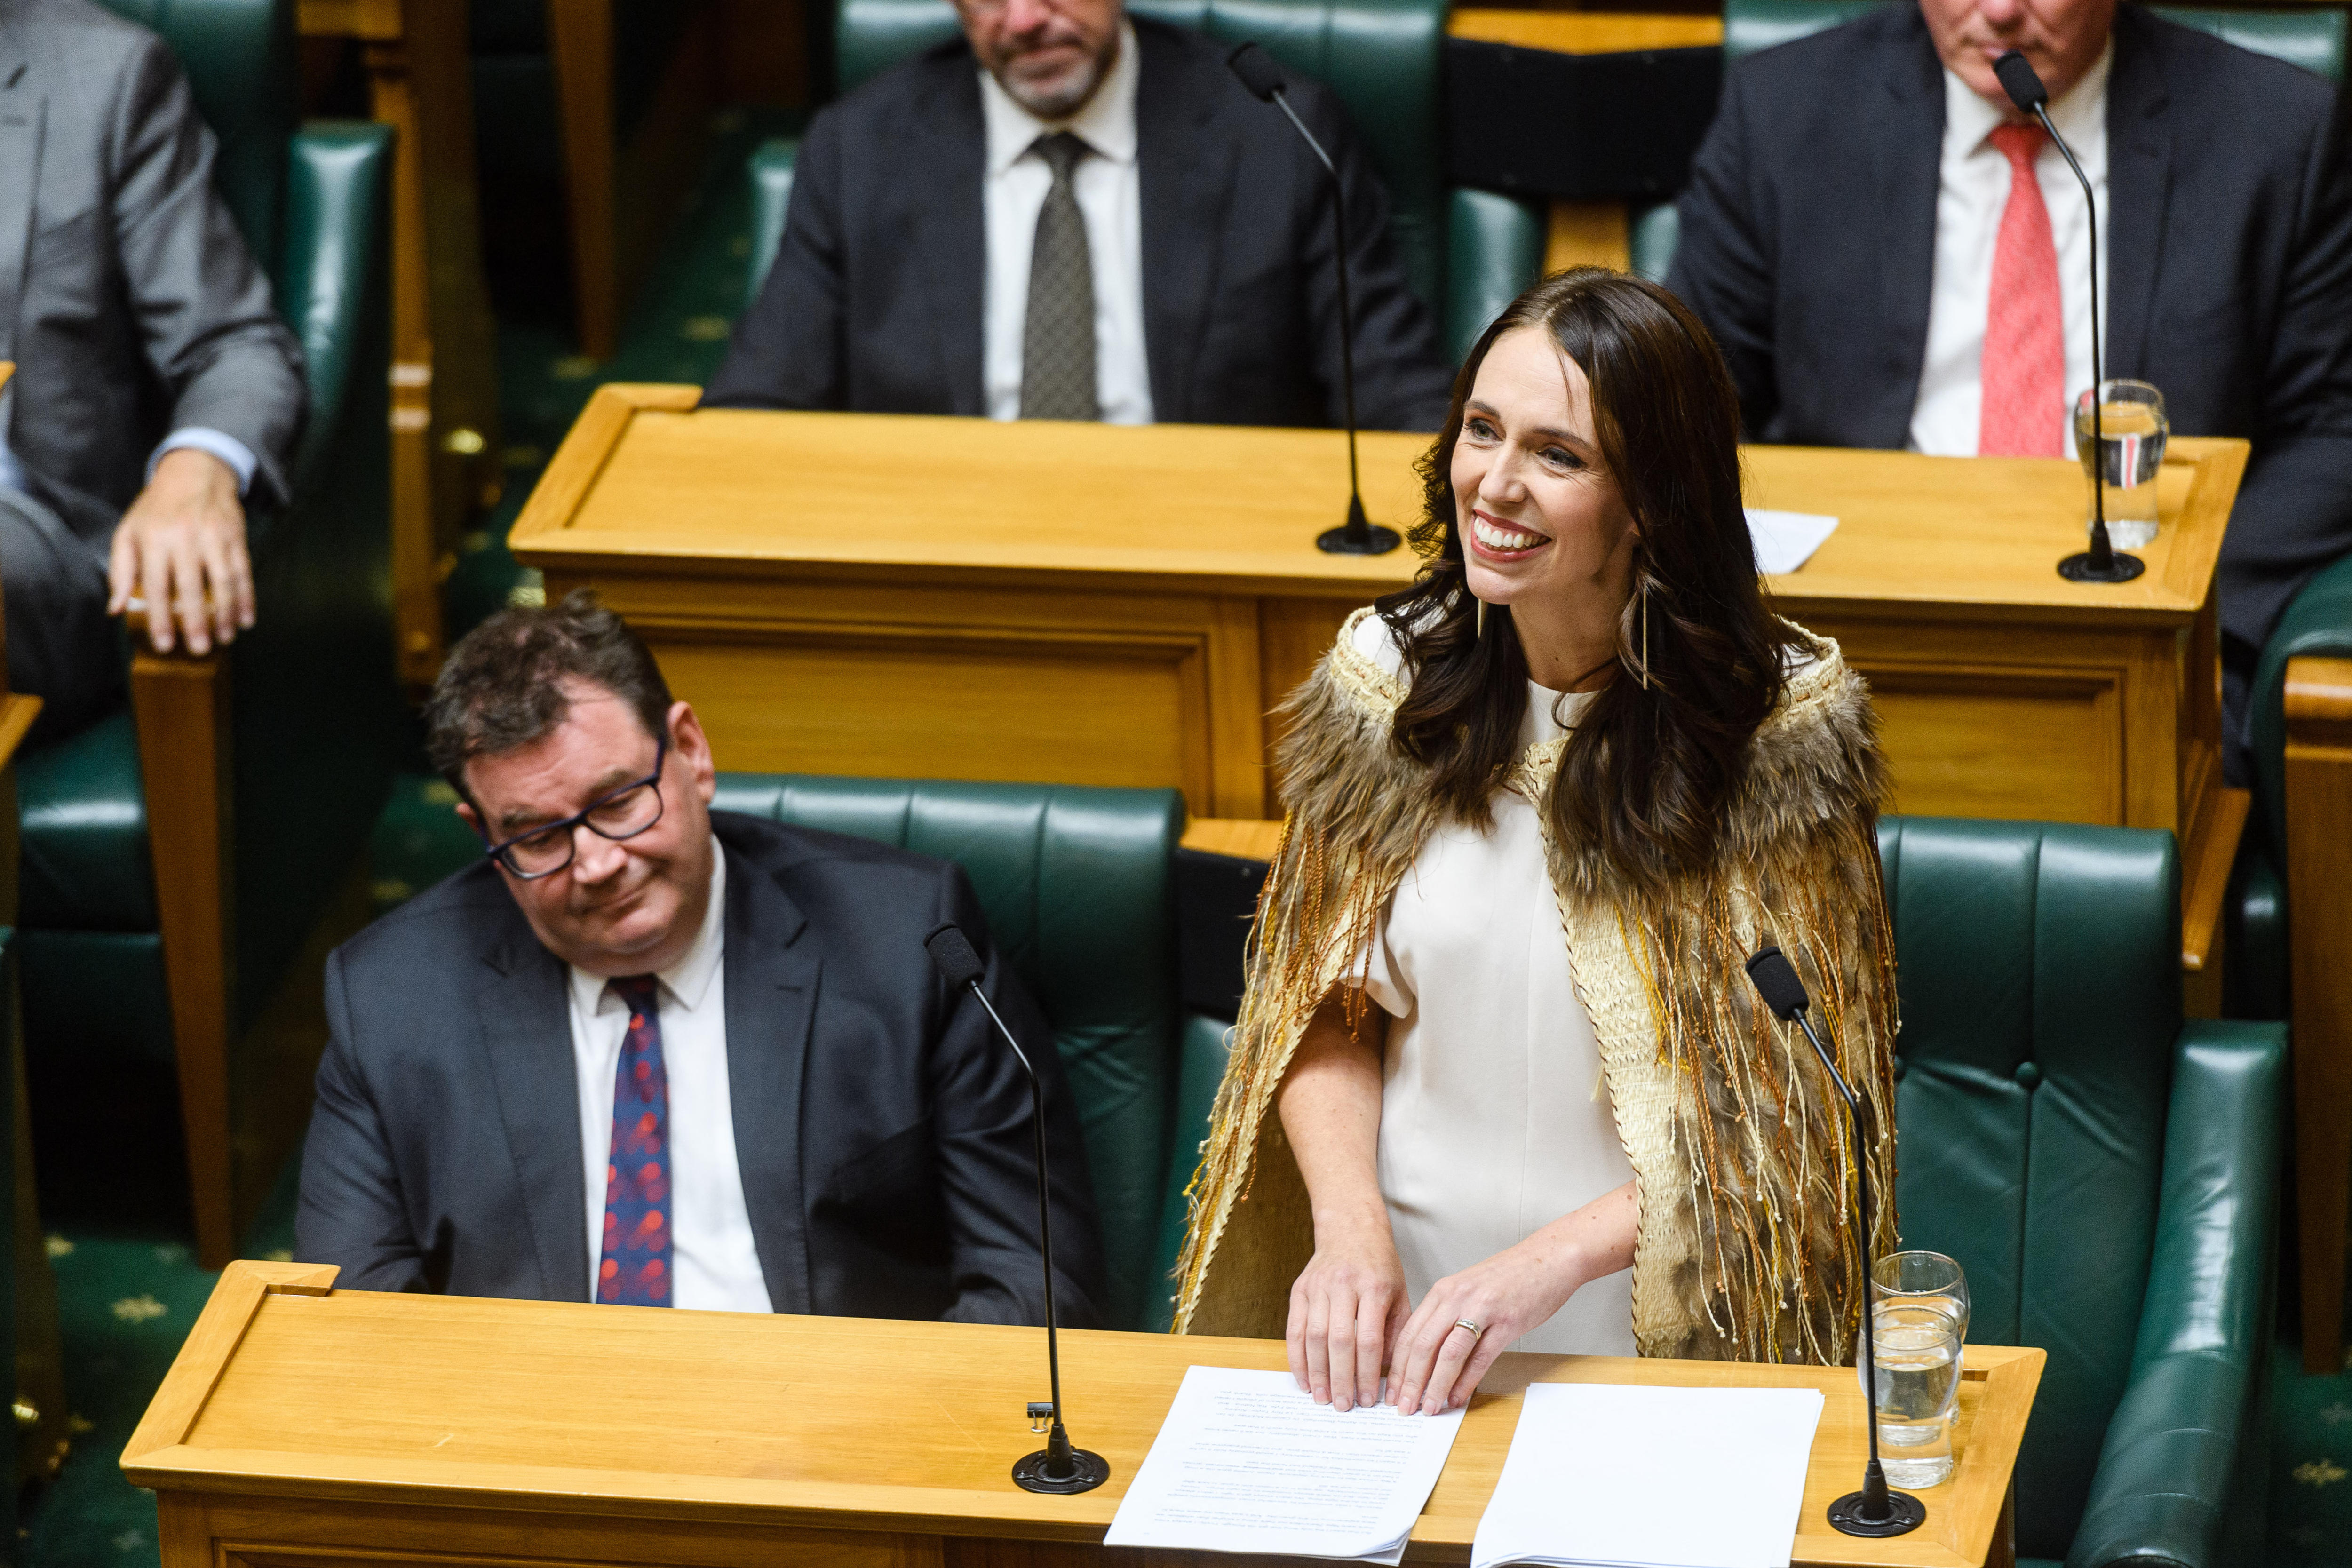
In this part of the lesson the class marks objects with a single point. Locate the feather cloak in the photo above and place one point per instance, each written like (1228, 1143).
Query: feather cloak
(1746, 1246)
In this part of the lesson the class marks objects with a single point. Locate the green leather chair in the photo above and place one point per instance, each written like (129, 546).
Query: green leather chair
(2106, 1172)
(2269, 978)
(1466, 253)
(313, 725)
(2313, 38)
(1075, 884)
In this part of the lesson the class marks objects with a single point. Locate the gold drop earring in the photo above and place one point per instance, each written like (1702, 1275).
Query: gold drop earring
(1645, 633)
(1482, 616)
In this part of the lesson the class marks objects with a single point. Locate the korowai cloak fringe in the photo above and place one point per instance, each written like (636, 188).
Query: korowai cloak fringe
(1743, 1165)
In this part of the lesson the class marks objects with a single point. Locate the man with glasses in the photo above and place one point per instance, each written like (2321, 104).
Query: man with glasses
(1073, 213)
(651, 1054)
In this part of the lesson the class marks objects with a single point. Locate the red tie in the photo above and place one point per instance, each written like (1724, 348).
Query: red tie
(2023, 372)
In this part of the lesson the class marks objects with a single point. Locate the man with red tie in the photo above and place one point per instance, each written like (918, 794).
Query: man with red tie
(650, 1054)
(1892, 256)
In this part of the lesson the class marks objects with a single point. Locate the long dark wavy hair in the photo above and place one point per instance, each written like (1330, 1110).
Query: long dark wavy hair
(1648, 773)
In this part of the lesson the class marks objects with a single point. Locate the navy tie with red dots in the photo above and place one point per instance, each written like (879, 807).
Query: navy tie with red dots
(635, 1268)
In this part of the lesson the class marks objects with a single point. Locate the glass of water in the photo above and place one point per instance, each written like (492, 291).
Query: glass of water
(2132, 432)
(1924, 1280)
(1918, 1348)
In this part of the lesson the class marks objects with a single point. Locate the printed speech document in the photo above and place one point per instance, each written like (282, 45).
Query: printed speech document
(1785, 540)
(1621, 1476)
(1245, 1462)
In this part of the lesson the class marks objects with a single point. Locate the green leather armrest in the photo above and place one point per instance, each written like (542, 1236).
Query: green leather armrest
(2163, 1487)
(338, 174)
(1494, 248)
(1651, 235)
(771, 198)
(1201, 1068)
(2318, 621)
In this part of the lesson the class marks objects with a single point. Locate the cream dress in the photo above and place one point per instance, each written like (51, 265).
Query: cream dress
(1494, 1118)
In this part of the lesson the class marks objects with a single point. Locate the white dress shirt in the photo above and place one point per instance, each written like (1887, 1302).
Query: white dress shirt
(1972, 190)
(713, 1260)
(1495, 1120)
(1110, 199)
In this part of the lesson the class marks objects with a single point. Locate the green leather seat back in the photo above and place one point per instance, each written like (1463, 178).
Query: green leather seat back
(82, 822)
(239, 59)
(2038, 967)
(1075, 886)
(2311, 38)
(1384, 58)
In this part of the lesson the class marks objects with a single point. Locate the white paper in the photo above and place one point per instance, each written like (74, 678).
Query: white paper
(1786, 540)
(1651, 1478)
(1245, 1462)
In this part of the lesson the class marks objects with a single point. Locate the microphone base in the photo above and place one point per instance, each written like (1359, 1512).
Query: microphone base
(1091, 1470)
(1374, 540)
(2079, 569)
(1904, 1513)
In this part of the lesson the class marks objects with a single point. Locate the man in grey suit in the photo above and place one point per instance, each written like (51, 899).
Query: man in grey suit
(649, 1054)
(157, 394)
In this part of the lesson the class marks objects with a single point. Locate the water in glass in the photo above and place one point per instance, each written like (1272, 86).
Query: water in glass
(1918, 1353)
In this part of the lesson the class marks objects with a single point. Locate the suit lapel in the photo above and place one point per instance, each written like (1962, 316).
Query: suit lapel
(771, 990)
(24, 108)
(1907, 146)
(2140, 180)
(1185, 170)
(527, 1034)
(947, 152)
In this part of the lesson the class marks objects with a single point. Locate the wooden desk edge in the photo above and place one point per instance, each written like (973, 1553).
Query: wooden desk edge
(205, 1353)
(17, 712)
(158, 1458)
(2208, 849)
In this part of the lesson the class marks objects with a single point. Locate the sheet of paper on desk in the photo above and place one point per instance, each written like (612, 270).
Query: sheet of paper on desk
(1245, 1462)
(1605, 1474)
(1786, 540)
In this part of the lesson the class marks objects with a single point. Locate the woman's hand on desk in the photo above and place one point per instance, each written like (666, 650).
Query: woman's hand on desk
(1345, 1308)
(1347, 1305)
(1438, 1362)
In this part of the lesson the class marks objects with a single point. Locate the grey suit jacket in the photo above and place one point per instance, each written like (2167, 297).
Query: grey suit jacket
(128, 299)
(1808, 247)
(882, 1129)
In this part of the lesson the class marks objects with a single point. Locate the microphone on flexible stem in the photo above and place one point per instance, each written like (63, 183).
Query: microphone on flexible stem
(1873, 1510)
(1264, 79)
(2102, 562)
(1057, 1466)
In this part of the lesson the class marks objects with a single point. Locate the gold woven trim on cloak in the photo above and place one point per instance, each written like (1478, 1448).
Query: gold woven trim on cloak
(1744, 1241)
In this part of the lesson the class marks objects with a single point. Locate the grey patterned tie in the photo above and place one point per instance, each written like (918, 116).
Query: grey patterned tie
(1058, 338)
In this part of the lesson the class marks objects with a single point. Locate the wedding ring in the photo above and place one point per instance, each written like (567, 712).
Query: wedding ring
(1476, 1331)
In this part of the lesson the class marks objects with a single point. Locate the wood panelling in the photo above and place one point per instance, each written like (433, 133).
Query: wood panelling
(2319, 929)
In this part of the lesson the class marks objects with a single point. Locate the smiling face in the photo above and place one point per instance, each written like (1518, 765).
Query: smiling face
(1050, 55)
(2061, 39)
(1544, 526)
(628, 907)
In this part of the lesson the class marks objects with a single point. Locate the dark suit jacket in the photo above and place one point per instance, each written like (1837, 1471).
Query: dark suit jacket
(127, 298)
(882, 1128)
(875, 299)
(1808, 246)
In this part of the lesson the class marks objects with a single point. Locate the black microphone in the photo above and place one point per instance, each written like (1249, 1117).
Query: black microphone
(1265, 81)
(2102, 562)
(1057, 1466)
(1873, 1510)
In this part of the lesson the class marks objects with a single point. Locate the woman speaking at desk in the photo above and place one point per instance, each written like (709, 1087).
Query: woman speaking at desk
(1499, 1078)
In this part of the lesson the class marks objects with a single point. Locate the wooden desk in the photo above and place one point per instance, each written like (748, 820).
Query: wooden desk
(934, 597)
(305, 1426)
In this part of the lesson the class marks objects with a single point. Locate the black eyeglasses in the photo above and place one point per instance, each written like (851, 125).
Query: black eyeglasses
(622, 814)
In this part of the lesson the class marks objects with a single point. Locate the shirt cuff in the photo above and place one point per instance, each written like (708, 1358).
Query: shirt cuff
(202, 438)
